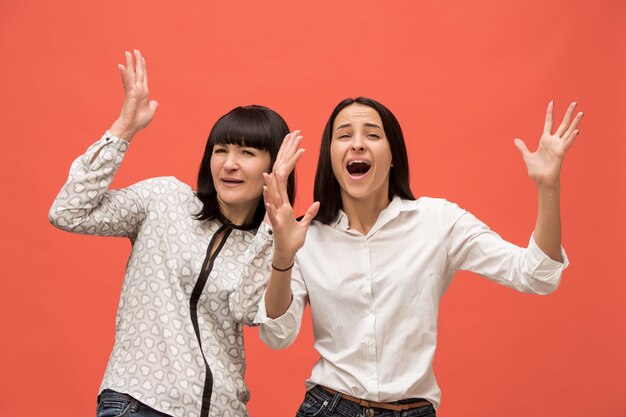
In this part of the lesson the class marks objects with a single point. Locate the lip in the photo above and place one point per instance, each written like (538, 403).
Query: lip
(358, 176)
(231, 182)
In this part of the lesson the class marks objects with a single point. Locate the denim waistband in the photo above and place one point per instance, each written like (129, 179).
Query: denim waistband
(350, 408)
(322, 394)
(108, 394)
(133, 405)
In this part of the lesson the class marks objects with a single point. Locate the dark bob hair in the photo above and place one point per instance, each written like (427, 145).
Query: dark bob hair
(326, 189)
(254, 126)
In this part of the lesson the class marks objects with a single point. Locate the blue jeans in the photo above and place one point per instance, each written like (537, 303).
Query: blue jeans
(116, 404)
(319, 402)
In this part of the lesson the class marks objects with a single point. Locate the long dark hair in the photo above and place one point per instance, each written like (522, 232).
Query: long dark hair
(326, 189)
(254, 126)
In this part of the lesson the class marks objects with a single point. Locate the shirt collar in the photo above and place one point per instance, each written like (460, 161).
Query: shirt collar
(397, 206)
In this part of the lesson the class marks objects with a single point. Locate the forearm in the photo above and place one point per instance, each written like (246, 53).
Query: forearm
(278, 295)
(547, 233)
(544, 168)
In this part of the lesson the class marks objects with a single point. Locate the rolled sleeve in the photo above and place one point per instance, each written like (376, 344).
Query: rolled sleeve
(280, 332)
(546, 272)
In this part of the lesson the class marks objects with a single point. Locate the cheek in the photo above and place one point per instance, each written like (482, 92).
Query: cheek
(386, 153)
(336, 159)
(264, 164)
(259, 169)
(215, 166)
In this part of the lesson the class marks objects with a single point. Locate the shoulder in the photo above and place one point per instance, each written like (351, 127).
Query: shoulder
(424, 205)
(430, 209)
(436, 204)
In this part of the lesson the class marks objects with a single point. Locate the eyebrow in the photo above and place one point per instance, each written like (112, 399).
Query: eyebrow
(366, 124)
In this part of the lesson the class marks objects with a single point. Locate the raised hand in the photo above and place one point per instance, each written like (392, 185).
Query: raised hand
(288, 155)
(544, 165)
(289, 234)
(138, 109)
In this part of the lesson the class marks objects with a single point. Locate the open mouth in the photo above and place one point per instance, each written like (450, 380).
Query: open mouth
(358, 167)
(231, 181)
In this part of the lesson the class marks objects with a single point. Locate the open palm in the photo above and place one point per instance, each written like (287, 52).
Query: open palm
(289, 233)
(137, 110)
(544, 165)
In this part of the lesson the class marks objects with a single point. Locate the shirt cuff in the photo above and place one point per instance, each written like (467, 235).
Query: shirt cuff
(281, 328)
(542, 262)
(265, 230)
(118, 143)
(109, 150)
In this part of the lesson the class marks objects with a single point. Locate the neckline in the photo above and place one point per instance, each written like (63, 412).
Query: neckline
(225, 221)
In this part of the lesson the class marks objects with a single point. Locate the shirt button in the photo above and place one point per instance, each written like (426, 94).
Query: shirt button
(369, 412)
(270, 232)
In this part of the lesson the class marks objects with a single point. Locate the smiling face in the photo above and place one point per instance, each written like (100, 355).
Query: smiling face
(237, 173)
(360, 155)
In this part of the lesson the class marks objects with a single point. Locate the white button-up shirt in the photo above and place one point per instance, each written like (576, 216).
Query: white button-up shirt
(374, 298)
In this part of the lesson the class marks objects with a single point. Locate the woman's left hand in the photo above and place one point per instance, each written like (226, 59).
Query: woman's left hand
(544, 165)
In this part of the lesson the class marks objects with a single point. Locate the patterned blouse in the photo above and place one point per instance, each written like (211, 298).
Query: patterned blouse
(178, 331)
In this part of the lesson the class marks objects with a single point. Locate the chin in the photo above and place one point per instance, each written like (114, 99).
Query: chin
(355, 194)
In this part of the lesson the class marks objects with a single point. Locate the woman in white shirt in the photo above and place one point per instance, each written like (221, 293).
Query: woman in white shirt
(376, 262)
(178, 347)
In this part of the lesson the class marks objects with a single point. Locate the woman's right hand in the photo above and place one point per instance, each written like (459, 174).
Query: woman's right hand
(138, 109)
(289, 233)
(288, 154)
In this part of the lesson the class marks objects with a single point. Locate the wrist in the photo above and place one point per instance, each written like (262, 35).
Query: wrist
(282, 263)
(545, 188)
(275, 268)
(120, 130)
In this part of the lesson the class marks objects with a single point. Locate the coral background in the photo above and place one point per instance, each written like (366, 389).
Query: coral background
(463, 77)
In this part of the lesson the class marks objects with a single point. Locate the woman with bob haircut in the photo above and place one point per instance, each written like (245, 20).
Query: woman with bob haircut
(178, 347)
(376, 262)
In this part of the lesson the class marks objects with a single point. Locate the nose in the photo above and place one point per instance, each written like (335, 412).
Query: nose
(231, 163)
(358, 145)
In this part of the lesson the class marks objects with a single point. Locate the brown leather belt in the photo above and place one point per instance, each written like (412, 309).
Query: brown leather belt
(374, 404)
